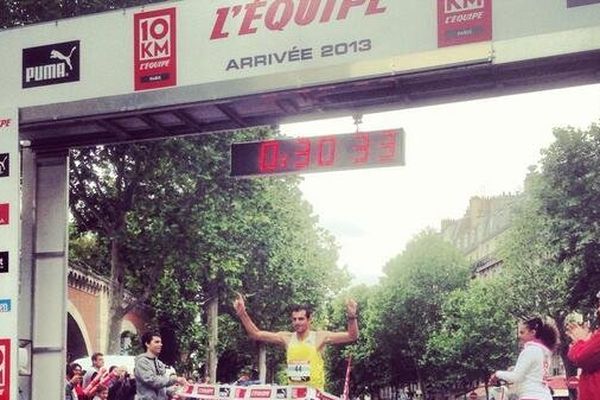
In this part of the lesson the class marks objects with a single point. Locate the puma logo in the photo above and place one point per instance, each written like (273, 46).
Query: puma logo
(55, 54)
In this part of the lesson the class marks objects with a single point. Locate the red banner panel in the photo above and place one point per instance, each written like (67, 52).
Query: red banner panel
(4, 369)
(155, 50)
(4, 213)
(464, 21)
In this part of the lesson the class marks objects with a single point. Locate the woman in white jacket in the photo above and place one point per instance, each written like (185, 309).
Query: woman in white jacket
(539, 339)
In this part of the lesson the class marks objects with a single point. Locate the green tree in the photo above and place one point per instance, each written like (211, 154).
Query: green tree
(25, 12)
(409, 306)
(179, 234)
(551, 251)
(476, 336)
(569, 195)
(164, 211)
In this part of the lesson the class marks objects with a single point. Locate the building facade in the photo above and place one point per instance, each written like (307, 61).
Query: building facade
(479, 231)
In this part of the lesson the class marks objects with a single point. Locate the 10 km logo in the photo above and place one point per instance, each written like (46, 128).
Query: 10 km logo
(155, 49)
(155, 39)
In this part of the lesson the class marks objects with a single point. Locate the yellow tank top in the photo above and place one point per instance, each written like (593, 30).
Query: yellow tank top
(304, 362)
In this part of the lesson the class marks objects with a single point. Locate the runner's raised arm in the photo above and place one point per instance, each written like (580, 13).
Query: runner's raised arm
(264, 336)
(351, 334)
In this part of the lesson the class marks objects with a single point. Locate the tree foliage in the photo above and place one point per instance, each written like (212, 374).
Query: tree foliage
(24, 12)
(179, 232)
(476, 336)
(552, 250)
(408, 308)
(569, 194)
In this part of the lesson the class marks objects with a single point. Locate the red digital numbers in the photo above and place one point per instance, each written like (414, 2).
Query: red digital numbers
(326, 150)
(302, 155)
(347, 151)
(268, 156)
(361, 148)
(388, 147)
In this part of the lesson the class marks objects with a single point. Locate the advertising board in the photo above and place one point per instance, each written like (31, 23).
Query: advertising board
(220, 49)
(5, 367)
(9, 251)
(155, 50)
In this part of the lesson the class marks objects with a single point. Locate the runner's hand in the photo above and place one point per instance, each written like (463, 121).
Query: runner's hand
(351, 308)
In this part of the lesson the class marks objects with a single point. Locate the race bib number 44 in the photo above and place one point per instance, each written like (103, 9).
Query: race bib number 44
(299, 371)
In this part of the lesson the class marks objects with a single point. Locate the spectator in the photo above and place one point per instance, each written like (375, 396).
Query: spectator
(111, 377)
(97, 365)
(102, 378)
(585, 354)
(72, 380)
(77, 369)
(101, 393)
(243, 379)
(152, 383)
(123, 388)
(539, 339)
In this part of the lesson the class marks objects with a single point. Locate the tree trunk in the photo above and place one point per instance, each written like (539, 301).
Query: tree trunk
(563, 350)
(421, 384)
(213, 337)
(115, 299)
(570, 369)
(262, 362)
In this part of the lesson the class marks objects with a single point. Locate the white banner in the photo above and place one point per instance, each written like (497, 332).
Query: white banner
(9, 251)
(253, 392)
(227, 48)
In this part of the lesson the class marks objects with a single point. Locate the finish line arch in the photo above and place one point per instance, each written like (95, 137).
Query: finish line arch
(189, 67)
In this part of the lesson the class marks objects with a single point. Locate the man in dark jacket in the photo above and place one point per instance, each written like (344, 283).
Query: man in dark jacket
(151, 381)
(585, 354)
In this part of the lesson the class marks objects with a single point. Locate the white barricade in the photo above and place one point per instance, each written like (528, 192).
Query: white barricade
(253, 392)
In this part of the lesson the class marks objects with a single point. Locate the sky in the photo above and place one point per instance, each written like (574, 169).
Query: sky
(453, 152)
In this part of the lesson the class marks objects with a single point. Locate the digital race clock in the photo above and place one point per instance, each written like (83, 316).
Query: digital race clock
(321, 153)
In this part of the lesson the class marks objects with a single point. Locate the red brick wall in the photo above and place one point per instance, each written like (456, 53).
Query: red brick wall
(137, 320)
(87, 305)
